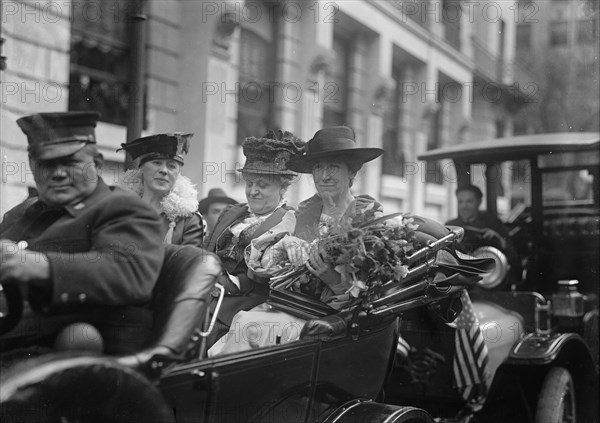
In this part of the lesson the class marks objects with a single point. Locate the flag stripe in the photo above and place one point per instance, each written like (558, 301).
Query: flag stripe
(471, 355)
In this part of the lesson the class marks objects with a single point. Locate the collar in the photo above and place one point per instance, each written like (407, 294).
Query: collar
(264, 216)
(36, 205)
(181, 202)
(99, 193)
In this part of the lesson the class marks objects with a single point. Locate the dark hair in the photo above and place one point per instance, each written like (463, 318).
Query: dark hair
(472, 188)
(353, 165)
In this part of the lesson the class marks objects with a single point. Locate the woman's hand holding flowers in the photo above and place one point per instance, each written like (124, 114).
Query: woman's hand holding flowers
(318, 267)
(296, 249)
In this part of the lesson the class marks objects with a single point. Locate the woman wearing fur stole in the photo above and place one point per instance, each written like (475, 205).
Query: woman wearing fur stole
(158, 180)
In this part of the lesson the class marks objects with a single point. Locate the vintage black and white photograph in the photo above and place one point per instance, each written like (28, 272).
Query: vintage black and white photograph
(303, 211)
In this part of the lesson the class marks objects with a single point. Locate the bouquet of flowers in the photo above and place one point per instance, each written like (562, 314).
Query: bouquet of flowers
(366, 250)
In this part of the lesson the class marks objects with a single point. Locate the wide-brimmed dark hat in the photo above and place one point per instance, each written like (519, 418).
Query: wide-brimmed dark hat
(271, 153)
(54, 135)
(336, 142)
(160, 146)
(215, 195)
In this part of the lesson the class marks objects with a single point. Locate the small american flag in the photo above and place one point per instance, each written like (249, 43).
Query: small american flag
(403, 348)
(471, 357)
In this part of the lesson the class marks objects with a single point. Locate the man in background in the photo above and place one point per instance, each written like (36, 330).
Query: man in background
(482, 228)
(212, 206)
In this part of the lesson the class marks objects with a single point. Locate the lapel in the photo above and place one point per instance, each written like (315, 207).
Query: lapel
(235, 214)
(269, 222)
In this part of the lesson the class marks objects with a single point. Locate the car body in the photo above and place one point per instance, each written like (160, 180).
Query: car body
(345, 368)
(541, 334)
(335, 372)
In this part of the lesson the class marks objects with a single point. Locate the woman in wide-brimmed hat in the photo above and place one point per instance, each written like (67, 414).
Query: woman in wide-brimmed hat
(158, 180)
(253, 227)
(334, 159)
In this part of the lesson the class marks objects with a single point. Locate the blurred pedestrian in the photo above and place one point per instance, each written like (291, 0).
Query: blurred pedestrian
(212, 206)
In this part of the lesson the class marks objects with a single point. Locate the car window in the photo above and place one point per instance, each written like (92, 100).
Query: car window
(579, 158)
(567, 187)
(513, 185)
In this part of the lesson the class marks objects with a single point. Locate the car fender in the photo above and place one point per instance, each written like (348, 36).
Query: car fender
(519, 379)
(359, 410)
(540, 349)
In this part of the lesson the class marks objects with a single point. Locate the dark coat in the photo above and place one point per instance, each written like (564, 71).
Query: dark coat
(106, 250)
(230, 216)
(188, 230)
(307, 228)
(251, 292)
(309, 214)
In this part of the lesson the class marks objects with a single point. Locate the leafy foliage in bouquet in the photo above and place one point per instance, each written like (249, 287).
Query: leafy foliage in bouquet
(366, 250)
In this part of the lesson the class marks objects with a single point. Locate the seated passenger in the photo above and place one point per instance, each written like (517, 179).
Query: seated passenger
(158, 180)
(334, 160)
(264, 216)
(84, 251)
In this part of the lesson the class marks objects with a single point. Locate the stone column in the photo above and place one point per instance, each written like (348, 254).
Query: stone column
(372, 171)
(288, 92)
(407, 133)
(221, 98)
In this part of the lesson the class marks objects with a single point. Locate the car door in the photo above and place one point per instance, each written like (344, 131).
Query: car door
(269, 384)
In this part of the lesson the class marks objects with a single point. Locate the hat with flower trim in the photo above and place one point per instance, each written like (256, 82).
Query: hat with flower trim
(271, 153)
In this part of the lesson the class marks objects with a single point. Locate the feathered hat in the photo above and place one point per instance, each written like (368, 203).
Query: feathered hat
(270, 154)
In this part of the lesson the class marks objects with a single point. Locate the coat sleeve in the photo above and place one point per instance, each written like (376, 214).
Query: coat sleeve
(194, 230)
(123, 263)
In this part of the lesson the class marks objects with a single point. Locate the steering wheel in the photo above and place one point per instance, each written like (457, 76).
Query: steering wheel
(481, 247)
(11, 308)
(474, 239)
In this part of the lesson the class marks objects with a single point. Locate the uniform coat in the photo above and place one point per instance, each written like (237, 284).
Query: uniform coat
(106, 250)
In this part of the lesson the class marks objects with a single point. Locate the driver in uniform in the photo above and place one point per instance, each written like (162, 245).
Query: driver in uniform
(482, 228)
(82, 251)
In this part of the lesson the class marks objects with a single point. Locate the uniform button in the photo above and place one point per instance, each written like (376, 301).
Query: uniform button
(82, 298)
(64, 297)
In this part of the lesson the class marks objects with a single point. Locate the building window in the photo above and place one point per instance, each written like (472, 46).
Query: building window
(336, 87)
(415, 10)
(256, 77)
(99, 58)
(451, 14)
(524, 36)
(393, 159)
(559, 33)
(587, 31)
(433, 170)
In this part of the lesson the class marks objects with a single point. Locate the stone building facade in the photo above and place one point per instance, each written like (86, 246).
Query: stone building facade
(406, 75)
